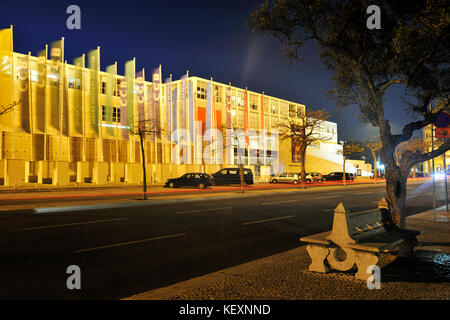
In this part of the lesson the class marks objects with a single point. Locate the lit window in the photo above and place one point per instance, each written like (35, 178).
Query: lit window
(117, 88)
(201, 90)
(114, 115)
(103, 113)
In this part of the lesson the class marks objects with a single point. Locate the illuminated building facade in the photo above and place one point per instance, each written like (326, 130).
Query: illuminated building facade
(439, 162)
(73, 122)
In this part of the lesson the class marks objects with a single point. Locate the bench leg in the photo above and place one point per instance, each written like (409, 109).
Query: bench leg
(318, 256)
(407, 247)
(363, 261)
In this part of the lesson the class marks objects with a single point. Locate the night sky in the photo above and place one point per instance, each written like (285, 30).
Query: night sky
(208, 38)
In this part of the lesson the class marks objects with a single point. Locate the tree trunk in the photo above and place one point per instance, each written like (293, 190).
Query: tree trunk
(241, 176)
(343, 170)
(396, 195)
(303, 165)
(396, 180)
(375, 169)
(144, 195)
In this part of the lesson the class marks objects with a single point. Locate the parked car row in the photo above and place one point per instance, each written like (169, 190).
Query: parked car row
(295, 178)
(338, 176)
(311, 177)
(229, 176)
(226, 176)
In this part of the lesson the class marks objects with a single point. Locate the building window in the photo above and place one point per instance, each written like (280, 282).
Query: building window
(74, 83)
(253, 102)
(116, 115)
(103, 87)
(240, 99)
(201, 90)
(292, 111)
(218, 93)
(117, 88)
(103, 113)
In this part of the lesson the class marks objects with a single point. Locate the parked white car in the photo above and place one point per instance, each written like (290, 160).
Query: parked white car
(285, 178)
(314, 177)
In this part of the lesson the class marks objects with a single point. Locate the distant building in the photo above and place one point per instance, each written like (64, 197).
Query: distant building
(427, 136)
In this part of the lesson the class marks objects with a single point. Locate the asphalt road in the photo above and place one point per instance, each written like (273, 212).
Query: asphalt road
(127, 250)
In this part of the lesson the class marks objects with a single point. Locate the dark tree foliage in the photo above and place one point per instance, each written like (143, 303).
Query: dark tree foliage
(411, 50)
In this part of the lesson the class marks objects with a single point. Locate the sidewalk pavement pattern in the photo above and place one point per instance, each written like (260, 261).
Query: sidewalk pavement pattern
(285, 276)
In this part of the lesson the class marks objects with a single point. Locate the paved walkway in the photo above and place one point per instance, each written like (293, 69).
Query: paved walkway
(285, 276)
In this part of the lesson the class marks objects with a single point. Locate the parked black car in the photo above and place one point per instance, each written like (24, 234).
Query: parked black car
(335, 176)
(200, 180)
(232, 176)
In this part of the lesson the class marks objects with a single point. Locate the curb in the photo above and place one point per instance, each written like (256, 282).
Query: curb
(190, 197)
(215, 195)
(150, 186)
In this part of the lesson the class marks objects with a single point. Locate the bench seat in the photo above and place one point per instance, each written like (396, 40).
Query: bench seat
(384, 242)
(357, 240)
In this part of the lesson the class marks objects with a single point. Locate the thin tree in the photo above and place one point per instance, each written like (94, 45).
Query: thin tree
(144, 128)
(9, 107)
(374, 145)
(302, 129)
(236, 138)
(409, 50)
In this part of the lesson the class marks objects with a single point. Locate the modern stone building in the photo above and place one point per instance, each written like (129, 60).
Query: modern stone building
(73, 123)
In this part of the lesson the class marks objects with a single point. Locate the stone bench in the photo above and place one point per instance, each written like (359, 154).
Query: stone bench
(357, 240)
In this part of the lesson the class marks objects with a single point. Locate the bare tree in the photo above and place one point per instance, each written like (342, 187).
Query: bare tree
(9, 107)
(236, 137)
(374, 145)
(410, 51)
(144, 128)
(302, 130)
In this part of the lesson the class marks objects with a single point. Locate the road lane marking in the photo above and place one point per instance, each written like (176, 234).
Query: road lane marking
(68, 224)
(203, 210)
(278, 202)
(266, 220)
(131, 242)
(328, 197)
(363, 193)
(332, 209)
